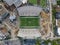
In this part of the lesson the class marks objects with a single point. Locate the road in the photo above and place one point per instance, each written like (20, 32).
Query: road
(50, 5)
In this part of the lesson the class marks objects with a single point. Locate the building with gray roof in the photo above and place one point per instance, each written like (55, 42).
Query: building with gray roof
(15, 2)
(58, 15)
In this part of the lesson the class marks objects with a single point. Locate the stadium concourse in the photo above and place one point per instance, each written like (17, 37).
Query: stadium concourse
(29, 22)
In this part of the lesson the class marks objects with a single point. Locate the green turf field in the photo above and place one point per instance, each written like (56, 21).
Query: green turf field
(29, 21)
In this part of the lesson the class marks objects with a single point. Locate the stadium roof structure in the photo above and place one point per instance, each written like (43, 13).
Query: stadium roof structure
(29, 33)
(29, 10)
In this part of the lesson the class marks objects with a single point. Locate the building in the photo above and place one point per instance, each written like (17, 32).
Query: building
(3, 13)
(17, 3)
(3, 32)
(58, 30)
(2, 9)
(58, 23)
(15, 41)
(58, 15)
(54, 2)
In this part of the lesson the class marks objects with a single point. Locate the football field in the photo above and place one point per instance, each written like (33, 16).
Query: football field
(29, 21)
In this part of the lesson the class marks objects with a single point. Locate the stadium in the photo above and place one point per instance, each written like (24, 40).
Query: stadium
(29, 17)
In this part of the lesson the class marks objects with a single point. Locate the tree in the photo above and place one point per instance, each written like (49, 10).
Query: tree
(38, 2)
(37, 42)
(1, 0)
(58, 2)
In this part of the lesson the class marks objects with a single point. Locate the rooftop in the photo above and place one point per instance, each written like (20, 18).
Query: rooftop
(58, 15)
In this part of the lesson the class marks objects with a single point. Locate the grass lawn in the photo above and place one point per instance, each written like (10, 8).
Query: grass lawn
(33, 1)
(56, 42)
(53, 42)
(58, 2)
(42, 2)
(29, 21)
